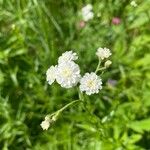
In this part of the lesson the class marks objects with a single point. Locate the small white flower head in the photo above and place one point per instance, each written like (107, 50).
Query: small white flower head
(107, 63)
(51, 74)
(90, 83)
(103, 53)
(88, 16)
(67, 56)
(133, 3)
(87, 13)
(46, 123)
(68, 74)
(87, 8)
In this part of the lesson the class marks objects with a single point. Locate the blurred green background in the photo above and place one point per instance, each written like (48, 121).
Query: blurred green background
(33, 34)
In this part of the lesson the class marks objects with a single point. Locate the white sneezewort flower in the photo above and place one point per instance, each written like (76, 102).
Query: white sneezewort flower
(87, 8)
(68, 74)
(88, 16)
(51, 74)
(90, 83)
(87, 13)
(46, 123)
(133, 3)
(103, 53)
(67, 56)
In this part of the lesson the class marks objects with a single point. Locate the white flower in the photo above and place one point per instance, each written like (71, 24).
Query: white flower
(87, 13)
(67, 56)
(133, 3)
(103, 53)
(46, 123)
(68, 74)
(87, 8)
(88, 16)
(51, 74)
(90, 83)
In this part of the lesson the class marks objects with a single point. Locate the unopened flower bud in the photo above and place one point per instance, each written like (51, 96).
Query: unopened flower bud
(54, 118)
(107, 63)
(47, 118)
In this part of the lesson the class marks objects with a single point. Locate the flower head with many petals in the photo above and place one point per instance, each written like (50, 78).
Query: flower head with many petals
(68, 74)
(51, 74)
(87, 13)
(103, 53)
(90, 83)
(67, 56)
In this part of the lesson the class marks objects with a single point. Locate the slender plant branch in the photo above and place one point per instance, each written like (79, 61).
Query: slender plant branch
(69, 104)
(101, 69)
(99, 63)
(97, 120)
(56, 114)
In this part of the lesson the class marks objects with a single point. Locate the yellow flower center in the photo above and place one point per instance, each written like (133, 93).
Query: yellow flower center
(90, 84)
(66, 72)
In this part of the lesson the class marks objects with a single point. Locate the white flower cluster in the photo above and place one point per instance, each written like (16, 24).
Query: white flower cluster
(103, 53)
(66, 73)
(87, 12)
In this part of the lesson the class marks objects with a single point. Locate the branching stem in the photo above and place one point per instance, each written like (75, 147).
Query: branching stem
(99, 63)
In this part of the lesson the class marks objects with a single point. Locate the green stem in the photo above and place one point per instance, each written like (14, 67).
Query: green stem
(101, 69)
(80, 95)
(56, 114)
(69, 104)
(98, 124)
(99, 63)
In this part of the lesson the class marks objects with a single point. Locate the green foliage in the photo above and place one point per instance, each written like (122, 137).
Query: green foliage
(33, 34)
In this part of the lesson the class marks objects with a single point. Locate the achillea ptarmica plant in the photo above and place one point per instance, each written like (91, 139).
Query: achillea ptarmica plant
(67, 74)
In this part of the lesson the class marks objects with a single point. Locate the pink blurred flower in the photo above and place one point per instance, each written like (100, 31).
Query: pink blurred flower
(81, 24)
(116, 20)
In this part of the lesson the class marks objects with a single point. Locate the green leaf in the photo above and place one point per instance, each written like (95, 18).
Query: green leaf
(146, 97)
(145, 61)
(140, 21)
(141, 40)
(86, 127)
(140, 126)
(134, 138)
